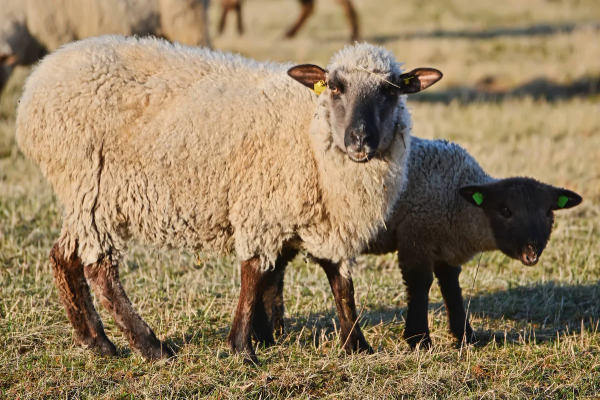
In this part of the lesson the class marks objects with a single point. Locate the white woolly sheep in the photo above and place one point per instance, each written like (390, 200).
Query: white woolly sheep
(30, 28)
(181, 147)
(434, 230)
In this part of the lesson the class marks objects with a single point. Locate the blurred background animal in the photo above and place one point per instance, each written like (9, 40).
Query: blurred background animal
(307, 8)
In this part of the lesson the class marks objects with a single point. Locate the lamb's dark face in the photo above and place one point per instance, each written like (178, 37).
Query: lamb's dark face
(363, 106)
(520, 213)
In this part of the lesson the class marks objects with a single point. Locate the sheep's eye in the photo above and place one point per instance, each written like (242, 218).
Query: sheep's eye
(505, 212)
(392, 91)
(334, 89)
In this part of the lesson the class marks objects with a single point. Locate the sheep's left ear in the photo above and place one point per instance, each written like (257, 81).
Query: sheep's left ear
(418, 79)
(474, 194)
(565, 199)
(308, 74)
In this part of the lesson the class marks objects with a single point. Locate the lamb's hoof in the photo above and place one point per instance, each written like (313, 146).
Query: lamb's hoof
(469, 338)
(358, 345)
(423, 340)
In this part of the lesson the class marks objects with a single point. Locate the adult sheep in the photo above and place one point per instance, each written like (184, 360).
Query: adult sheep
(30, 28)
(450, 211)
(181, 147)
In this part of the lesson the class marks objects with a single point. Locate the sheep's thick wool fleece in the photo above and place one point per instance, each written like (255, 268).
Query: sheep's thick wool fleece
(183, 147)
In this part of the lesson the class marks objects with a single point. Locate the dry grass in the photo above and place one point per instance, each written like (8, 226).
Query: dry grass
(520, 92)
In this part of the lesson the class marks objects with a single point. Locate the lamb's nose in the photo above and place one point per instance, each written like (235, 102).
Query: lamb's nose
(530, 255)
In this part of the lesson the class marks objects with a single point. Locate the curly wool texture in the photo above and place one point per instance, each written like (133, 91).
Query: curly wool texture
(182, 147)
(432, 221)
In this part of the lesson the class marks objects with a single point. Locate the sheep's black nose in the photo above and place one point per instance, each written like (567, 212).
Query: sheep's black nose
(529, 256)
(359, 136)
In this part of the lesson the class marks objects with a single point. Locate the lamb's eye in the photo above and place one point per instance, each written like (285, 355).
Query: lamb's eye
(334, 89)
(392, 91)
(549, 214)
(505, 212)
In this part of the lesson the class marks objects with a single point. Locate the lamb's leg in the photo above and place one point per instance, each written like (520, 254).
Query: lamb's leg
(418, 279)
(342, 286)
(352, 18)
(307, 9)
(447, 276)
(253, 283)
(268, 314)
(75, 295)
(104, 277)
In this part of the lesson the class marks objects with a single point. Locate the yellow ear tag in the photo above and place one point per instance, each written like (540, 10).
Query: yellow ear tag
(407, 80)
(320, 87)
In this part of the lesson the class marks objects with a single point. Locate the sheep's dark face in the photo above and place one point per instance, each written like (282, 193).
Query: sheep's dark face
(363, 105)
(520, 213)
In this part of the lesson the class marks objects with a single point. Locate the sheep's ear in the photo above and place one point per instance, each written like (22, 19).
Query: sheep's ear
(565, 199)
(474, 194)
(418, 79)
(10, 60)
(308, 74)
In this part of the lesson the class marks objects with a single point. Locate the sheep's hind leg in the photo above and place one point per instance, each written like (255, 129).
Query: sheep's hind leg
(418, 279)
(253, 283)
(447, 276)
(75, 295)
(342, 286)
(104, 277)
(268, 314)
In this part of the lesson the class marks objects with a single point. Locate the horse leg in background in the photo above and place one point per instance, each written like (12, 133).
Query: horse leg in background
(352, 17)
(308, 7)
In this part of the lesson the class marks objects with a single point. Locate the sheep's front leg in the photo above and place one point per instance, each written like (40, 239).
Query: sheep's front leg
(268, 314)
(447, 276)
(253, 283)
(104, 277)
(418, 278)
(342, 286)
(75, 295)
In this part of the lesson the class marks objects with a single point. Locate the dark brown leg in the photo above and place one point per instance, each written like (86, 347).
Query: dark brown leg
(225, 7)
(104, 278)
(447, 276)
(418, 279)
(253, 283)
(269, 310)
(307, 8)
(352, 18)
(343, 291)
(240, 22)
(75, 295)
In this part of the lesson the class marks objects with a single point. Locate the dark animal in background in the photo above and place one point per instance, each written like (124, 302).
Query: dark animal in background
(308, 7)
(450, 211)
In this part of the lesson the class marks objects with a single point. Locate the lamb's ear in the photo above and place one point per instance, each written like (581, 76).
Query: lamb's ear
(9, 60)
(308, 74)
(418, 79)
(474, 194)
(565, 199)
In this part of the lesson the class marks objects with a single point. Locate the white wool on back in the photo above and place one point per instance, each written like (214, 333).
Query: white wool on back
(182, 147)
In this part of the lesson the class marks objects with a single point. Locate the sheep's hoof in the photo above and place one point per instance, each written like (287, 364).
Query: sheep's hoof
(423, 340)
(244, 348)
(154, 352)
(100, 345)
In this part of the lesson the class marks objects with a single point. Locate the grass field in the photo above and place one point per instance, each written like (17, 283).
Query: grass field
(520, 92)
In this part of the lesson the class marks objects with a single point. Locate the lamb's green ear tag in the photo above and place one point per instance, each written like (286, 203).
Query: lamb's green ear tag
(562, 201)
(320, 87)
(478, 197)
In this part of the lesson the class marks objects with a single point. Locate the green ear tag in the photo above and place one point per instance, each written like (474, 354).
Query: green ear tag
(478, 197)
(562, 201)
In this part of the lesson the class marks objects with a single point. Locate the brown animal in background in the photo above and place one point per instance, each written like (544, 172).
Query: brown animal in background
(308, 7)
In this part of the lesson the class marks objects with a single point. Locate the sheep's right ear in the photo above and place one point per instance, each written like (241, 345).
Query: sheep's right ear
(418, 79)
(473, 194)
(9, 60)
(308, 74)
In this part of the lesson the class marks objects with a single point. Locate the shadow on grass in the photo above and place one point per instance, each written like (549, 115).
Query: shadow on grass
(533, 30)
(539, 313)
(540, 88)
